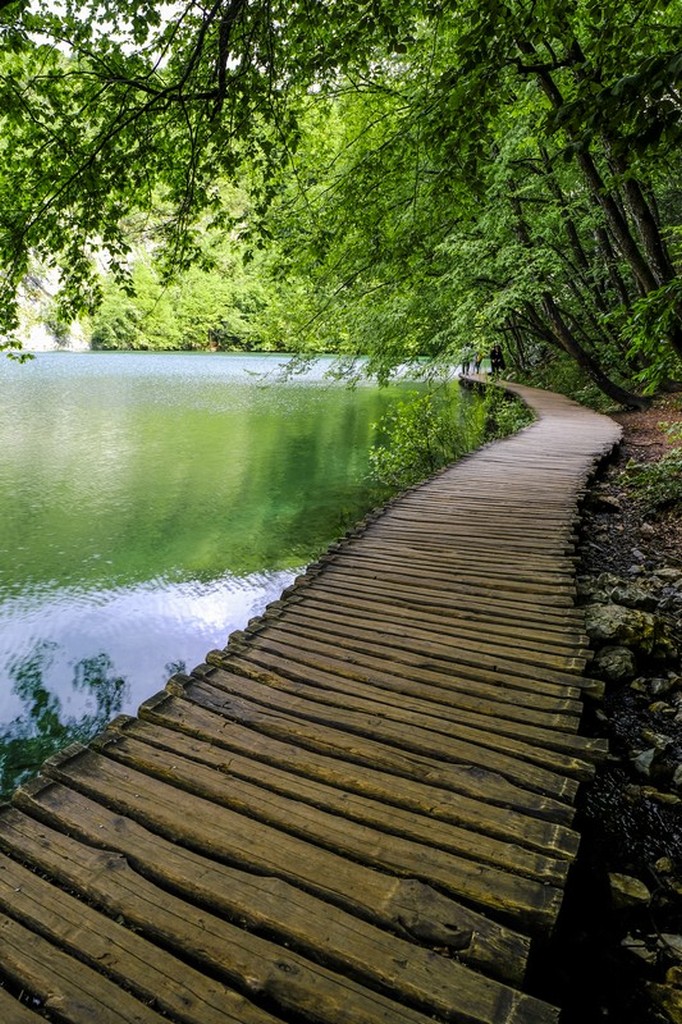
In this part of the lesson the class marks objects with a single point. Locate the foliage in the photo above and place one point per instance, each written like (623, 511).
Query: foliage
(556, 371)
(429, 430)
(415, 188)
(658, 484)
(504, 414)
(672, 430)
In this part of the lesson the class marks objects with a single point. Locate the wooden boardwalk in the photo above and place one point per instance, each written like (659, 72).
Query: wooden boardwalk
(361, 811)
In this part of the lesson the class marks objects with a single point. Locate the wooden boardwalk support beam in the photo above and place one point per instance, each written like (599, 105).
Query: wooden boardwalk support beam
(361, 810)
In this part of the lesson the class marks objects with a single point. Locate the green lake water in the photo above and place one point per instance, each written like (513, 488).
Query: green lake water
(151, 504)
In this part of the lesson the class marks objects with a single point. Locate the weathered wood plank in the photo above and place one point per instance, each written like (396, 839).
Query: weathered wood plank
(112, 875)
(209, 730)
(459, 623)
(501, 609)
(449, 558)
(513, 702)
(418, 653)
(64, 986)
(154, 976)
(229, 780)
(291, 828)
(262, 900)
(459, 748)
(350, 662)
(503, 702)
(481, 586)
(399, 636)
(405, 905)
(477, 783)
(271, 973)
(556, 751)
(513, 579)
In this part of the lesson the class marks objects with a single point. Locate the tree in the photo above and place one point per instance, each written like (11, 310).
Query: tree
(386, 146)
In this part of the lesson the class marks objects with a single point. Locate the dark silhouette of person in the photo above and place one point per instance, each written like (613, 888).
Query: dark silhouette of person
(497, 362)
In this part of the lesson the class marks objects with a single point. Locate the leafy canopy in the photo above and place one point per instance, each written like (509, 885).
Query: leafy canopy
(431, 175)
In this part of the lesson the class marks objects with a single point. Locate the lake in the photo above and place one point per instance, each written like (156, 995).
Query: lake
(150, 505)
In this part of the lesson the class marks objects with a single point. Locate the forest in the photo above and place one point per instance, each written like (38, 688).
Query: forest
(404, 180)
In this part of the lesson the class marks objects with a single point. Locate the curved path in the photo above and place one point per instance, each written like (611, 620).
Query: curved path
(361, 811)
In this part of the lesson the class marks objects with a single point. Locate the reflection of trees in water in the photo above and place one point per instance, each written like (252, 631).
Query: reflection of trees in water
(41, 730)
(175, 666)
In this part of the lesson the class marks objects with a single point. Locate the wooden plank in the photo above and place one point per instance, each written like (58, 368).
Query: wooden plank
(349, 662)
(501, 609)
(209, 730)
(501, 705)
(400, 635)
(464, 622)
(283, 980)
(515, 579)
(558, 752)
(273, 820)
(413, 648)
(135, 744)
(407, 736)
(514, 541)
(482, 586)
(450, 557)
(151, 974)
(477, 783)
(408, 906)
(64, 986)
(344, 943)
(514, 700)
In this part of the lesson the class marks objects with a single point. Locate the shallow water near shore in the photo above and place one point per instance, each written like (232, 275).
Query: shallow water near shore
(151, 504)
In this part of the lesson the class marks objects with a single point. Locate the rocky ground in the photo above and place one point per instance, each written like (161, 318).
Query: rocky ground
(618, 950)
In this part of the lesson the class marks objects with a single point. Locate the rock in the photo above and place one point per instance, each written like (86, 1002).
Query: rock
(621, 626)
(600, 502)
(659, 707)
(669, 573)
(643, 761)
(616, 664)
(633, 595)
(639, 948)
(668, 999)
(628, 892)
(647, 530)
(669, 799)
(672, 944)
(656, 739)
(638, 555)
(660, 685)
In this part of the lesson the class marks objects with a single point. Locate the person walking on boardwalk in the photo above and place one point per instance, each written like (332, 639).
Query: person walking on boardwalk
(497, 362)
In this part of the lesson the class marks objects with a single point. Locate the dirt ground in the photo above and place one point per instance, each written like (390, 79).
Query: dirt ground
(658, 537)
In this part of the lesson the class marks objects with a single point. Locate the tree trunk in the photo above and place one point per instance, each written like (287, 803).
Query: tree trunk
(570, 345)
(612, 212)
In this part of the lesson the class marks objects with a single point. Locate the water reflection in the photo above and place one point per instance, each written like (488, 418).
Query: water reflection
(43, 727)
(151, 504)
(73, 660)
